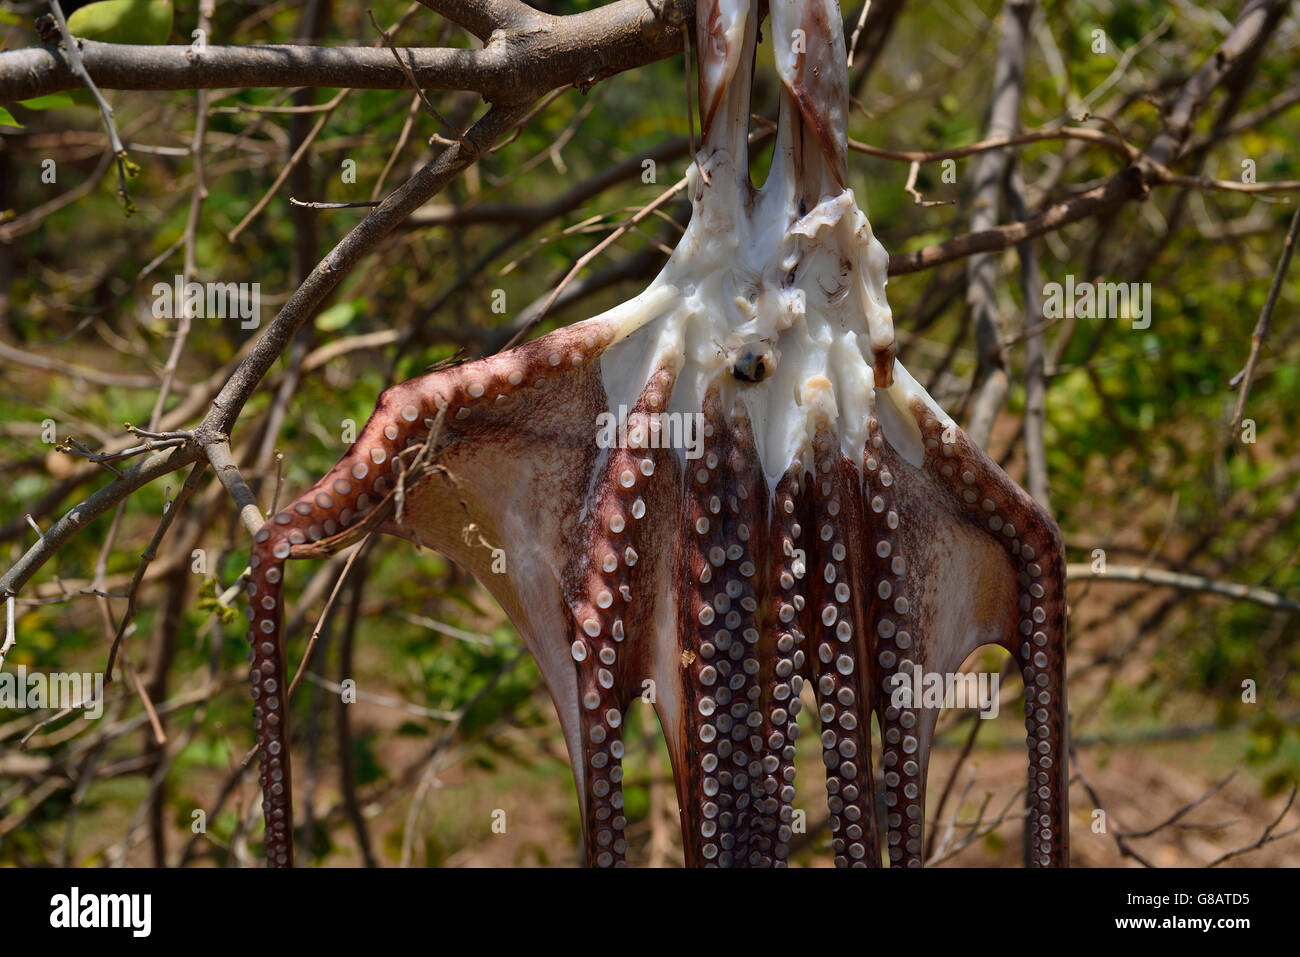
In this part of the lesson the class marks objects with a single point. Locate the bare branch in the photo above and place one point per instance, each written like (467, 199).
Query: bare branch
(990, 175)
(78, 69)
(1266, 838)
(515, 66)
(1032, 329)
(996, 143)
(144, 472)
(484, 17)
(1247, 375)
(1252, 29)
(1183, 582)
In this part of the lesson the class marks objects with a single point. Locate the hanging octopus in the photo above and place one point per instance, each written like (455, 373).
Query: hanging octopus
(782, 515)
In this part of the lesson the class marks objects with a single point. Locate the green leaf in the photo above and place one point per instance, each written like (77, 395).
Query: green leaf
(337, 316)
(123, 21)
(51, 101)
(7, 118)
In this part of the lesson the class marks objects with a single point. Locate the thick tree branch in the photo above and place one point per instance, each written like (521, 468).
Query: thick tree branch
(484, 17)
(516, 65)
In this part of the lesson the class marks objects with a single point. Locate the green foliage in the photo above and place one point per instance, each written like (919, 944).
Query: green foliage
(208, 603)
(51, 101)
(123, 21)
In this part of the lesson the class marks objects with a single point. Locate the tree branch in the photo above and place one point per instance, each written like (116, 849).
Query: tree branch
(1262, 326)
(1183, 582)
(990, 175)
(484, 17)
(516, 65)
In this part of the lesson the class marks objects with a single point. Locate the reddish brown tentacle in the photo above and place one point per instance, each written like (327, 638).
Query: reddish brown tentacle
(351, 490)
(270, 693)
(603, 600)
(783, 657)
(1032, 541)
(1046, 719)
(841, 668)
(771, 682)
(897, 641)
(336, 510)
(725, 526)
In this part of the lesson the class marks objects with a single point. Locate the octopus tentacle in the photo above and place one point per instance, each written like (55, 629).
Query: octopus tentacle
(889, 638)
(975, 550)
(266, 677)
(1033, 543)
(357, 495)
(786, 656)
(603, 602)
(743, 516)
(841, 671)
(599, 611)
(808, 41)
(726, 29)
(723, 709)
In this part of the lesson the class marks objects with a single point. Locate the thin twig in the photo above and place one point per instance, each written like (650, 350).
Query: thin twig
(1265, 838)
(10, 636)
(147, 557)
(1082, 571)
(917, 199)
(189, 269)
(1244, 379)
(361, 203)
(595, 251)
(324, 614)
(857, 31)
(124, 166)
(288, 167)
(459, 135)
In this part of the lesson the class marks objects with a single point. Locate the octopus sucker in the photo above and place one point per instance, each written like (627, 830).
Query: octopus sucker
(714, 498)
